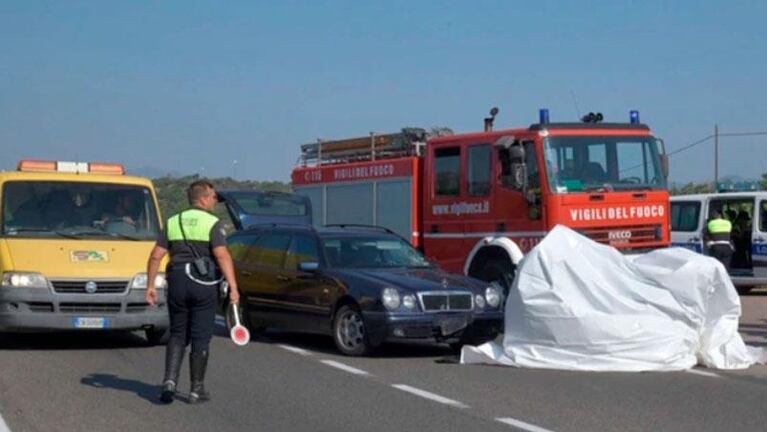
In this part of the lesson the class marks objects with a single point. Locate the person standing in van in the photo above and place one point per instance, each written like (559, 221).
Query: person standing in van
(717, 237)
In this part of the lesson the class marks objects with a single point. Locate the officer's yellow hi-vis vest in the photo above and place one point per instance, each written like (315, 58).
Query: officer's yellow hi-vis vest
(718, 226)
(197, 226)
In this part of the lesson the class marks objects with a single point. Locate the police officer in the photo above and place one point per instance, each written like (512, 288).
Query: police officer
(196, 242)
(717, 238)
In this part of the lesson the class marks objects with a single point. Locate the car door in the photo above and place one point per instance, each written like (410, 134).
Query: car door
(686, 224)
(240, 246)
(308, 293)
(267, 284)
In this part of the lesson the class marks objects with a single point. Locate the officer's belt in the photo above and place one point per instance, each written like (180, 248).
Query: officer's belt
(719, 242)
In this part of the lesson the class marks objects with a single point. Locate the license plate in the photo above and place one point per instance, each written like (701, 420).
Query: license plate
(450, 325)
(89, 323)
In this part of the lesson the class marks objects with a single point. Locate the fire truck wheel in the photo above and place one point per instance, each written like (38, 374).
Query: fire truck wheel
(500, 272)
(349, 331)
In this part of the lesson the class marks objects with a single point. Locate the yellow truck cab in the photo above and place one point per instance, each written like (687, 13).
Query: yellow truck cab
(74, 242)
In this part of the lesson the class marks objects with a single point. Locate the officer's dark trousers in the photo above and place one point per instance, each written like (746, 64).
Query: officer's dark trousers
(723, 253)
(192, 309)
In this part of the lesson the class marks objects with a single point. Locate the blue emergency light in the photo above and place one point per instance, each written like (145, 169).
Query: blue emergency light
(543, 115)
(634, 116)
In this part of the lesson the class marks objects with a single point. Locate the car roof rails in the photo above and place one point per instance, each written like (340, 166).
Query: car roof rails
(280, 225)
(378, 227)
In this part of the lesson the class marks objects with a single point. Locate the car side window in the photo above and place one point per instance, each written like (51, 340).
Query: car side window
(239, 245)
(269, 250)
(302, 249)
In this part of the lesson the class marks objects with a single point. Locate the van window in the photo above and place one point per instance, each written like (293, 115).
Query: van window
(78, 210)
(763, 216)
(685, 216)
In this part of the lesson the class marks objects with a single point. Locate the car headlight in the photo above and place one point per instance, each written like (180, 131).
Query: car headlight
(493, 296)
(408, 301)
(139, 281)
(479, 301)
(390, 298)
(24, 280)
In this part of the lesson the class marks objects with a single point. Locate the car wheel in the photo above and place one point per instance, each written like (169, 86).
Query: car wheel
(157, 336)
(349, 332)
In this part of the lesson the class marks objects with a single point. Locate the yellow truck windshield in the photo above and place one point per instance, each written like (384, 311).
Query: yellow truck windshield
(78, 210)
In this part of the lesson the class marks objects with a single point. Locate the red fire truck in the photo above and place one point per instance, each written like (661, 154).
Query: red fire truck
(476, 202)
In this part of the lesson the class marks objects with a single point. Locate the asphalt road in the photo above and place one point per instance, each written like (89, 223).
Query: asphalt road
(282, 382)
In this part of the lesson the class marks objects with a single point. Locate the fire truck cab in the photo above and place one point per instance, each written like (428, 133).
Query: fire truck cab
(477, 202)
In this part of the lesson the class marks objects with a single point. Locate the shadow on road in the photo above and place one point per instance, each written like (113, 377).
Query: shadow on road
(325, 345)
(148, 392)
(71, 341)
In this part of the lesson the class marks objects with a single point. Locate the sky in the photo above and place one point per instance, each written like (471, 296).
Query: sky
(233, 88)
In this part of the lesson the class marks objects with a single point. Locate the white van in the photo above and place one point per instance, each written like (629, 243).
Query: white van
(748, 213)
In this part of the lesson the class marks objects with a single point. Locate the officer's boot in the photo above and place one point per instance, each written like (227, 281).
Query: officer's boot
(174, 356)
(198, 362)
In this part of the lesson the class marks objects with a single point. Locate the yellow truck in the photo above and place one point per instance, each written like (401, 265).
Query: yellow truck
(74, 242)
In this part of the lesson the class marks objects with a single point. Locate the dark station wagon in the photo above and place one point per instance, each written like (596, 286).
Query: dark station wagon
(361, 285)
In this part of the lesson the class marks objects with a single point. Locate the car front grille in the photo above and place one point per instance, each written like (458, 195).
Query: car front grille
(136, 307)
(89, 307)
(622, 236)
(78, 286)
(446, 301)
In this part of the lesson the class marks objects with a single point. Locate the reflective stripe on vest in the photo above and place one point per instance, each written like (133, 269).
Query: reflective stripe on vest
(197, 225)
(716, 226)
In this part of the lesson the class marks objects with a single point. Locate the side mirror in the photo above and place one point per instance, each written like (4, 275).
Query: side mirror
(663, 157)
(309, 267)
(664, 165)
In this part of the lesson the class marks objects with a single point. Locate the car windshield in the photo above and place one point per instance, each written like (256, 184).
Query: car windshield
(78, 210)
(583, 164)
(371, 252)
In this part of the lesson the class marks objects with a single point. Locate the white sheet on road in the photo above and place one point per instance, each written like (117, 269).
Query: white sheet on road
(580, 305)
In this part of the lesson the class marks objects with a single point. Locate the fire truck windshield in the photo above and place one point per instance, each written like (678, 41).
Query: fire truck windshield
(600, 163)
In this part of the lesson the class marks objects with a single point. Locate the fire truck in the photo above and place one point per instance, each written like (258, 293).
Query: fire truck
(477, 202)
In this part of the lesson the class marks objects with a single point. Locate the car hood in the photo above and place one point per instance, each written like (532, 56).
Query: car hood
(431, 279)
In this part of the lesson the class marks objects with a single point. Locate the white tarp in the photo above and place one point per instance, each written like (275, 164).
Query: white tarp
(580, 305)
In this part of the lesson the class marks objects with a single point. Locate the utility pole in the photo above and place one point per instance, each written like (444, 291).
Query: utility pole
(716, 157)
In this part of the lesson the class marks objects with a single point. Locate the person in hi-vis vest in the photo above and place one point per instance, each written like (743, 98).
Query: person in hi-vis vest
(199, 261)
(717, 237)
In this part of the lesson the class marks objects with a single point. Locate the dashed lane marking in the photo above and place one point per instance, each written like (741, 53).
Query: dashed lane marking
(519, 424)
(344, 367)
(428, 395)
(703, 373)
(296, 350)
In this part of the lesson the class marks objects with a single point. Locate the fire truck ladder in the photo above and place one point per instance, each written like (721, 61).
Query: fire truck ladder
(409, 142)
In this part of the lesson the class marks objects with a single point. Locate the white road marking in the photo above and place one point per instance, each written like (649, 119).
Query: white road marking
(4, 426)
(296, 350)
(429, 395)
(344, 367)
(703, 373)
(522, 425)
